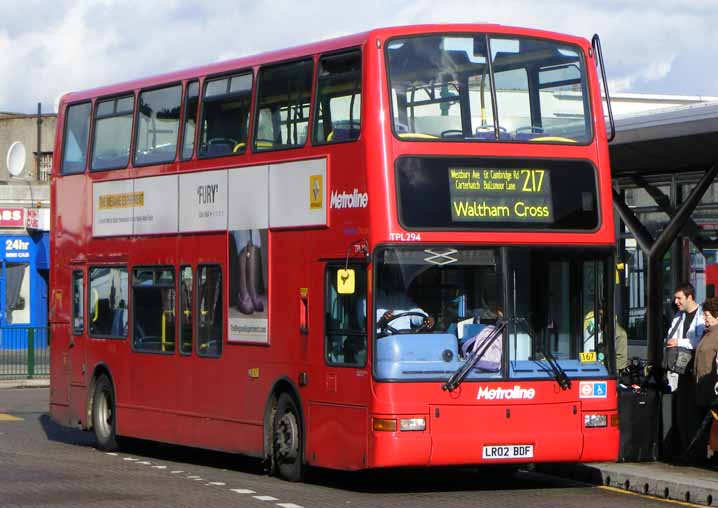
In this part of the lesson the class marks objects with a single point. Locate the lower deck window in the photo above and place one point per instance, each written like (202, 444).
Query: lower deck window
(108, 302)
(153, 300)
(209, 312)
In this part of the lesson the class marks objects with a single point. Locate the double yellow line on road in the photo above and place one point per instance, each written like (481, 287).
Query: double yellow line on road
(4, 417)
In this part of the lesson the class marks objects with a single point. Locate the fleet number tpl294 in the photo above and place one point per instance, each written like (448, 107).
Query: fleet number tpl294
(405, 237)
(508, 451)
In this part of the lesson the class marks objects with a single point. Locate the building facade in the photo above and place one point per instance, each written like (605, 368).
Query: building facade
(24, 226)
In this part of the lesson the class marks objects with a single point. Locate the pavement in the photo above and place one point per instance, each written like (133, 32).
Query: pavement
(24, 383)
(679, 483)
(666, 481)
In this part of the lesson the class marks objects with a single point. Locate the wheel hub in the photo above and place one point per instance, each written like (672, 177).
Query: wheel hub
(287, 442)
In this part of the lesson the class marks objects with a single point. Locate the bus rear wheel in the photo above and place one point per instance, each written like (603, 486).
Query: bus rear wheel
(287, 441)
(103, 415)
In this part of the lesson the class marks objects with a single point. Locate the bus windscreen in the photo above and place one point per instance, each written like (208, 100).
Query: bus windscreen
(479, 88)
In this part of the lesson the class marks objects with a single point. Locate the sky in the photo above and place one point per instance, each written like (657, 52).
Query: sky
(54, 46)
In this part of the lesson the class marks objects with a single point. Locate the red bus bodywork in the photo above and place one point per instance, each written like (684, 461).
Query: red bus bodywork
(226, 403)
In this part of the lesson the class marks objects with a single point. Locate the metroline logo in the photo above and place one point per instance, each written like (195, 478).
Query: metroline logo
(516, 392)
(344, 200)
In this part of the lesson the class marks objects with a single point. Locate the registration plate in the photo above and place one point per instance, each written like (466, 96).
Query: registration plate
(514, 451)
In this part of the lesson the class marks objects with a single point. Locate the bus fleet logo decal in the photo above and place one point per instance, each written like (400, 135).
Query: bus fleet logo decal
(516, 392)
(592, 389)
(354, 200)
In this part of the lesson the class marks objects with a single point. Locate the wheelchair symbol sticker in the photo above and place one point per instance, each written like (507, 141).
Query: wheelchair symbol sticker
(593, 389)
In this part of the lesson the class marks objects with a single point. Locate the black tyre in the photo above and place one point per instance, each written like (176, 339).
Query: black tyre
(103, 415)
(287, 440)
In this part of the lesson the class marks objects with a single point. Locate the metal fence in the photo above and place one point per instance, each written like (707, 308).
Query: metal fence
(24, 352)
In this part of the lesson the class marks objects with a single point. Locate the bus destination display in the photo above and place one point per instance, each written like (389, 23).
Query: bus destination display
(500, 195)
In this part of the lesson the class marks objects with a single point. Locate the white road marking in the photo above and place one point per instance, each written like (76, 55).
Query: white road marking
(219, 484)
(242, 491)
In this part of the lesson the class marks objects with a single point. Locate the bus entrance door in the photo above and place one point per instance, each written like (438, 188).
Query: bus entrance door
(60, 367)
(340, 414)
(66, 369)
(76, 344)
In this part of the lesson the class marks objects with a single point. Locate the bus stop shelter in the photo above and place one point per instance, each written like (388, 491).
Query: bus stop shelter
(665, 194)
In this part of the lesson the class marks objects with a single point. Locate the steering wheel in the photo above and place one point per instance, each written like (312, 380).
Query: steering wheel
(452, 133)
(386, 329)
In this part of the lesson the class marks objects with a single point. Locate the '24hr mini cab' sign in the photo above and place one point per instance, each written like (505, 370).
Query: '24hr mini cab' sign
(16, 249)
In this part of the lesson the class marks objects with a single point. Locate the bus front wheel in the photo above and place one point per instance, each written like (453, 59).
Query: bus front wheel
(287, 440)
(103, 415)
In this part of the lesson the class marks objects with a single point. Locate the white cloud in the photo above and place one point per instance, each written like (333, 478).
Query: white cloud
(649, 45)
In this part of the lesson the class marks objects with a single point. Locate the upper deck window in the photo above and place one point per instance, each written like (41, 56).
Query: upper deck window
(283, 110)
(480, 88)
(190, 120)
(338, 104)
(225, 115)
(113, 132)
(158, 125)
(77, 135)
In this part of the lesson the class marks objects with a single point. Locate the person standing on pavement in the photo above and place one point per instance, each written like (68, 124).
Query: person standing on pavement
(704, 370)
(686, 330)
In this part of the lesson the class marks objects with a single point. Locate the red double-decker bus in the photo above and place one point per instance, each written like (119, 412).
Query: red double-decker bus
(387, 249)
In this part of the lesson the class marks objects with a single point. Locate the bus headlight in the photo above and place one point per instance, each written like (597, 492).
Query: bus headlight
(595, 421)
(406, 424)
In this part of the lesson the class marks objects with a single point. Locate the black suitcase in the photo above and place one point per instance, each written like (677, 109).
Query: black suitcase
(638, 423)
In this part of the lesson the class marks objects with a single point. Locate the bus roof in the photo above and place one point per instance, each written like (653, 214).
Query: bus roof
(328, 45)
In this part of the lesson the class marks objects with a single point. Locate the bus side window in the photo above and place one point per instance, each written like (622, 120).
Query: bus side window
(186, 310)
(209, 310)
(108, 302)
(78, 303)
(153, 300)
(76, 137)
(225, 115)
(283, 105)
(157, 125)
(345, 320)
(113, 132)
(338, 104)
(190, 120)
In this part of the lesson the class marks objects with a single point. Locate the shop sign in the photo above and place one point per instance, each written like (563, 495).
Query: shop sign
(12, 217)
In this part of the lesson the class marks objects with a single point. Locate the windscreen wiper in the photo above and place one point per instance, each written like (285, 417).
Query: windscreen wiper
(561, 377)
(558, 373)
(461, 373)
